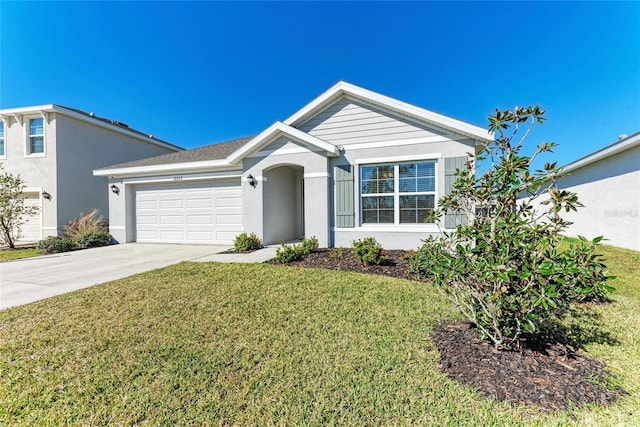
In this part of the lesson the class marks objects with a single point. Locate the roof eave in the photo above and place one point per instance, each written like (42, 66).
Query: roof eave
(165, 168)
(613, 149)
(52, 108)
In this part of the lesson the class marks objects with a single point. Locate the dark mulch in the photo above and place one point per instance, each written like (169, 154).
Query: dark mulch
(550, 375)
(343, 259)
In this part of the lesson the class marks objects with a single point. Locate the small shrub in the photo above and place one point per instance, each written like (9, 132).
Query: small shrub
(369, 251)
(309, 245)
(286, 254)
(338, 253)
(87, 224)
(93, 240)
(246, 242)
(56, 244)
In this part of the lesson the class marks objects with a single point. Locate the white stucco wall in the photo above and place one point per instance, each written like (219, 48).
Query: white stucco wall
(316, 191)
(38, 172)
(82, 148)
(610, 192)
(73, 149)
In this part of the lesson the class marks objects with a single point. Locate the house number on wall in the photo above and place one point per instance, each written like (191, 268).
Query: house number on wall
(177, 178)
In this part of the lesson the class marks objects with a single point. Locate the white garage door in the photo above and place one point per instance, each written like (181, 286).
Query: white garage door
(30, 230)
(207, 212)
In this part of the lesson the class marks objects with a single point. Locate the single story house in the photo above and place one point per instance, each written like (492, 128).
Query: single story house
(351, 163)
(55, 149)
(607, 183)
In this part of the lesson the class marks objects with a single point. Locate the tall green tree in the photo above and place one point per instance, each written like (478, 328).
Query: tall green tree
(12, 207)
(505, 267)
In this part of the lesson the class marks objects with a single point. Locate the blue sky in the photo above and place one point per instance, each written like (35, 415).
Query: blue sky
(195, 73)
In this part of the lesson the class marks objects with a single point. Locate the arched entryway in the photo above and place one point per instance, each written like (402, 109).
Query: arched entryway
(283, 204)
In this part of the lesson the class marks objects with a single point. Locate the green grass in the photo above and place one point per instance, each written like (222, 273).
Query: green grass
(196, 344)
(14, 254)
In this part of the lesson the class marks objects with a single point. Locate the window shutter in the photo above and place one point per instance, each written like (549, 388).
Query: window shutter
(344, 200)
(450, 166)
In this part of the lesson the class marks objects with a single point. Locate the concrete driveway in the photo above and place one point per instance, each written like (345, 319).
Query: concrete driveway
(33, 279)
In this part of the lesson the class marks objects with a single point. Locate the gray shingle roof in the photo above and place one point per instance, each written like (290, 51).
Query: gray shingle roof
(209, 152)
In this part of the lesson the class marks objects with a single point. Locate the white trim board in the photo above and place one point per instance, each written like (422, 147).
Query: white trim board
(396, 159)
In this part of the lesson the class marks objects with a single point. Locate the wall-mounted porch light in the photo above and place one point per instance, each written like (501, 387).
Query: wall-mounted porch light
(115, 189)
(46, 195)
(252, 181)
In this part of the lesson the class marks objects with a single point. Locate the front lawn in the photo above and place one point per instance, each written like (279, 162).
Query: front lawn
(14, 254)
(224, 344)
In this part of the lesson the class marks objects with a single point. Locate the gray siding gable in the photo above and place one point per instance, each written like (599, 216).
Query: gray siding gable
(350, 121)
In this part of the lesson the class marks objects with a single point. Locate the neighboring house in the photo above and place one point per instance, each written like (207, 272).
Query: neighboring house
(608, 185)
(352, 163)
(55, 149)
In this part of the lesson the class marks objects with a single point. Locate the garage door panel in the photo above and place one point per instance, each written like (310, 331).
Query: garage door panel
(234, 202)
(200, 202)
(227, 219)
(147, 219)
(200, 219)
(172, 219)
(207, 212)
(171, 204)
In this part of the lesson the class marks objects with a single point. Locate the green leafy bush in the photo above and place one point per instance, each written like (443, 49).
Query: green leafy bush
(56, 244)
(289, 253)
(369, 251)
(93, 240)
(246, 242)
(503, 267)
(309, 245)
(286, 254)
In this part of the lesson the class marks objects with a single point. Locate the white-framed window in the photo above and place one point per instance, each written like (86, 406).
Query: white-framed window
(35, 137)
(3, 152)
(397, 193)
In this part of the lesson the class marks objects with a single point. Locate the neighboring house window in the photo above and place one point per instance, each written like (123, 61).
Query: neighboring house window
(36, 136)
(2, 149)
(400, 193)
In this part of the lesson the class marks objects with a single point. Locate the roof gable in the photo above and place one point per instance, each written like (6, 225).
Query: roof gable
(276, 130)
(430, 118)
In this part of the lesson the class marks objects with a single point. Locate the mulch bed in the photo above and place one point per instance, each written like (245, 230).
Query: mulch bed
(550, 375)
(343, 259)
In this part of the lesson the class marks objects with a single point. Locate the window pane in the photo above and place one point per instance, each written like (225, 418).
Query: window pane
(386, 217)
(414, 208)
(1, 147)
(407, 170)
(427, 184)
(36, 127)
(377, 210)
(1, 130)
(377, 179)
(37, 144)
(407, 185)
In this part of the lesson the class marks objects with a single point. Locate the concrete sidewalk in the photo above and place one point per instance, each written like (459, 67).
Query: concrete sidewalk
(33, 279)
